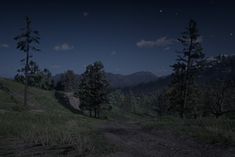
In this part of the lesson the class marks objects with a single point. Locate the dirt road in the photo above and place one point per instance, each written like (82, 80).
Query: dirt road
(133, 141)
(128, 139)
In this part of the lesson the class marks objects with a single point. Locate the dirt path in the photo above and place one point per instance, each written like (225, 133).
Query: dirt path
(129, 140)
(11, 147)
(133, 141)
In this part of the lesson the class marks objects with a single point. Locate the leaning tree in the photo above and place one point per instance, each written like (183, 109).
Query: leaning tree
(188, 64)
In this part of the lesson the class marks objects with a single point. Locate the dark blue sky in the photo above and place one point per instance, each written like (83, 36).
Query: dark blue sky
(127, 36)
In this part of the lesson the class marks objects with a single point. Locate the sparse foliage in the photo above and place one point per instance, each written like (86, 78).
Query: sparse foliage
(186, 69)
(220, 92)
(27, 42)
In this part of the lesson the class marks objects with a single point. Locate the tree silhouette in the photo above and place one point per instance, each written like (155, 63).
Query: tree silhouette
(188, 64)
(93, 89)
(26, 42)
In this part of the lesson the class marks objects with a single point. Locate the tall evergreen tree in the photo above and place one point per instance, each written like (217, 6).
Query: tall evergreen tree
(93, 89)
(188, 64)
(26, 42)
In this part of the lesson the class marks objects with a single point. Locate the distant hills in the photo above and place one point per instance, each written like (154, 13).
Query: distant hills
(121, 81)
(147, 82)
(216, 70)
(149, 87)
(224, 68)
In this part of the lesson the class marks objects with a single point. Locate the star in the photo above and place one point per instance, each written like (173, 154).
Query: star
(85, 14)
(231, 34)
(160, 10)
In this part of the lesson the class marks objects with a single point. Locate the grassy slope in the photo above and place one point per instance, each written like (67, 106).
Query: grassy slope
(50, 125)
(38, 99)
(47, 123)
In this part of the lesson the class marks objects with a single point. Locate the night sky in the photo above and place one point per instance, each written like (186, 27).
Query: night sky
(127, 36)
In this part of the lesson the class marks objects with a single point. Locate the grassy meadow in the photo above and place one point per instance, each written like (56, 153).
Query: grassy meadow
(47, 128)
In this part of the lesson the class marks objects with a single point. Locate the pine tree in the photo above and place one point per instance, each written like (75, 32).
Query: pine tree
(26, 42)
(186, 69)
(93, 89)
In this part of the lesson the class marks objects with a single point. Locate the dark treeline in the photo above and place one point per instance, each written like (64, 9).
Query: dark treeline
(199, 86)
(185, 93)
(37, 77)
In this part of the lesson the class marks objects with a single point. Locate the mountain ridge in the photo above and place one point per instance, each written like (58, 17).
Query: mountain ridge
(121, 80)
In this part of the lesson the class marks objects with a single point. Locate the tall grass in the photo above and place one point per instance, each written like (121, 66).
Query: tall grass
(212, 131)
(54, 131)
(207, 130)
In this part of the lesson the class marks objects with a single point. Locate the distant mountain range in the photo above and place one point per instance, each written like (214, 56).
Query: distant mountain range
(121, 81)
(147, 82)
(149, 87)
(219, 69)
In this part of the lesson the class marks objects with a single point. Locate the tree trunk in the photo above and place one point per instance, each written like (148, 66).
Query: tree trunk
(26, 92)
(27, 66)
(187, 73)
(26, 78)
(90, 113)
(181, 114)
(95, 113)
(217, 115)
